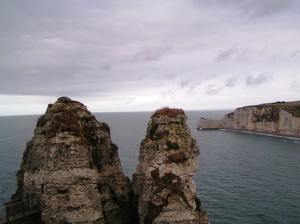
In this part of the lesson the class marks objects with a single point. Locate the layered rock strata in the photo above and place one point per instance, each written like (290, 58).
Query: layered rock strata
(163, 182)
(71, 170)
(276, 118)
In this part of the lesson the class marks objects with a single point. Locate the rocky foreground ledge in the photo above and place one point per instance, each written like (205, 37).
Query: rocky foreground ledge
(71, 172)
(280, 118)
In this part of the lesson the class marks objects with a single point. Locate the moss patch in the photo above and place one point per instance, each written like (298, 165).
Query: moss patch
(152, 212)
(291, 107)
(168, 112)
(198, 203)
(65, 121)
(172, 145)
(41, 121)
(270, 115)
(152, 131)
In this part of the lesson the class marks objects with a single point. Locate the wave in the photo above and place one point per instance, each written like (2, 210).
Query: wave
(297, 139)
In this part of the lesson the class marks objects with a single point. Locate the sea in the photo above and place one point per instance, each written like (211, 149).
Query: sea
(242, 177)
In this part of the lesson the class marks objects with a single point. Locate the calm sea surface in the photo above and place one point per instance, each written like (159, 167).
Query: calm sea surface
(242, 178)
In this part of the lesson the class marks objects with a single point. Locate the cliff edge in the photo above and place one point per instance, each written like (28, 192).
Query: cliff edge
(280, 118)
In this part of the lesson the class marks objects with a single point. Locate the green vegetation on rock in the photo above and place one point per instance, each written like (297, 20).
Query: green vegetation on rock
(291, 107)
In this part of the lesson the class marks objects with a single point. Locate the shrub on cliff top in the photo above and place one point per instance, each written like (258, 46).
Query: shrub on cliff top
(166, 111)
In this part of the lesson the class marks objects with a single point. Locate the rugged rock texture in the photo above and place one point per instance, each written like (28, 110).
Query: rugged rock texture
(71, 170)
(163, 186)
(277, 118)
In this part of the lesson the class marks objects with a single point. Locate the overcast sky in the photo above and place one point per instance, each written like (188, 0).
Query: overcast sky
(142, 55)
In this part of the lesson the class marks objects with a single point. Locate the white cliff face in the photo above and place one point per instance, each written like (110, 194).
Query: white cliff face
(265, 119)
(163, 185)
(288, 124)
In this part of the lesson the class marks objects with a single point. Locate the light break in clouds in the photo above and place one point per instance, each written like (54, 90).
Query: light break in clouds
(142, 55)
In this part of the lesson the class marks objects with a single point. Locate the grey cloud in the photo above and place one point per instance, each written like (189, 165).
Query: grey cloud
(213, 90)
(266, 7)
(253, 80)
(189, 83)
(244, 54)
(107, 66)
(260, 8)
(85, 48)
(185, 83)
(234, 52)
(73, 46)
(226, 54)
(295, 53)
(152, 53)
(169, 76)
(49, 81)
(296, 85)
(231, 82)
(41, 57)
(169, 93)
(126, 101)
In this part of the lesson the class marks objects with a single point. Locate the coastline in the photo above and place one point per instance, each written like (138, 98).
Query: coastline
(280, 119)
(293, 137)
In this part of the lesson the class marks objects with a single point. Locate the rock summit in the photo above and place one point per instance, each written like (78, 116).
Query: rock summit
(163, 183)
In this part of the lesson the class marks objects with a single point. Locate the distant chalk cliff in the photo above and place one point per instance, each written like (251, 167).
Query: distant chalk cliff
(280, 118)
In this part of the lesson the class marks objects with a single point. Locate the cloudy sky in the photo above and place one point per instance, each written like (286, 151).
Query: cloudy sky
(122, 55)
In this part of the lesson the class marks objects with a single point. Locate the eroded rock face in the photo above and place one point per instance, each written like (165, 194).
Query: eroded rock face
(71, 169)
(72, 173)
(163, 186)
(271, 118)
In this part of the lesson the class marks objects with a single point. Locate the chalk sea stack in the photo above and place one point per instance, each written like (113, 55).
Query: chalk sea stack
(71, 172)
(71, 169)
(163, 186)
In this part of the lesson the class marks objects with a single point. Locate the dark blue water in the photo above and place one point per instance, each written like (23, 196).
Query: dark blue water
(248, 178)
(15, 131)
(243, 178)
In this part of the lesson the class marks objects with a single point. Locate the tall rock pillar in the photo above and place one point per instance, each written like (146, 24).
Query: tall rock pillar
(163, 186)
(71, 170)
